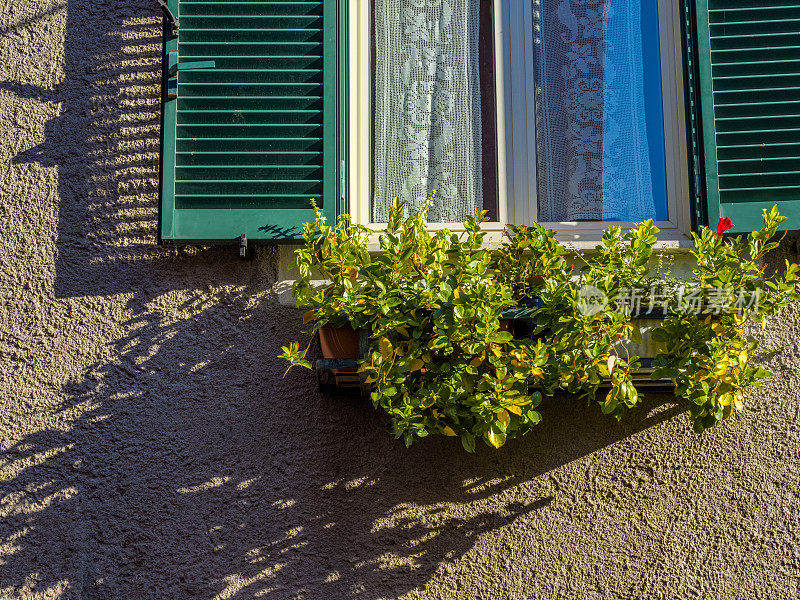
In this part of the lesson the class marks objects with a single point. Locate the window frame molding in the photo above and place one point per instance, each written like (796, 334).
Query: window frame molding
(516, 165)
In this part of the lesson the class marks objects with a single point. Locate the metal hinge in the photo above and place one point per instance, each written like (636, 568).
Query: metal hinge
(170, 16)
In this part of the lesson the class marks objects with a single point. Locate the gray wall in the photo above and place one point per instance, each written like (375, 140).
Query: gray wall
(151, 448)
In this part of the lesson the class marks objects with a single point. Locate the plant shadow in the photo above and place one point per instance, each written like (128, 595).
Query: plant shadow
(181, 463)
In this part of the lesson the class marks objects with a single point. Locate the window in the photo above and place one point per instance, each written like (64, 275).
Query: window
(560, 115)
(573, 113)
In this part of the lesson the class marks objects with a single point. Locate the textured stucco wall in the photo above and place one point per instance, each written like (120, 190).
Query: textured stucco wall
(151, 449)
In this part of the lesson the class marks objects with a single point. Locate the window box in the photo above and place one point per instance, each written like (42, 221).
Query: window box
(433, 342)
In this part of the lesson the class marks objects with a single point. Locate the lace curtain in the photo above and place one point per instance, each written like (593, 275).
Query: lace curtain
(599, 118)
(427, 111)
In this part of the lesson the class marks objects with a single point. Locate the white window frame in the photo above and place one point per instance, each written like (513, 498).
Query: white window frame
(516, 160)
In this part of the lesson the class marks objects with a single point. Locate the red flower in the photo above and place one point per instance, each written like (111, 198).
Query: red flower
(723, 225)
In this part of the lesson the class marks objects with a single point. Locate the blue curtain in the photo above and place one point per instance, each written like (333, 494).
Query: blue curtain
(600, 122)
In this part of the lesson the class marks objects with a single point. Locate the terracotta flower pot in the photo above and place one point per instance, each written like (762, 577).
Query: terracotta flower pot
(338, 342)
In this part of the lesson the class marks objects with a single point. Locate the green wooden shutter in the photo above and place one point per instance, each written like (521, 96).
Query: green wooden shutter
(250, 119)
(748, 63)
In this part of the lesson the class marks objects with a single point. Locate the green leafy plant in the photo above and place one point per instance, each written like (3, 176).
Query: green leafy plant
(441, 361)
(587, 340)
(532, 262)
(708, 356)
(438, 360)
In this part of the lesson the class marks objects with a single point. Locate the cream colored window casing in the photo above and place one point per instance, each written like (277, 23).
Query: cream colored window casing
(516, 134)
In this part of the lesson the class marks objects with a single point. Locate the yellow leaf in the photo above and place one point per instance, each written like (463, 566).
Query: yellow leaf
(417, 364)
(514, 409)
(494, 440)
(708, 320)
(448, 431)
(537, 372)
(737, 404)
(763, 321)
(738, 319)
(743, 357)
(720, 369)
(718, 327)
(426, 358)
(609, 397)
(612, 360)
(475, 362)
(370, 379)
(386, 348)
(726, 399)
(309, 316)
(402, 330)
(503, 417)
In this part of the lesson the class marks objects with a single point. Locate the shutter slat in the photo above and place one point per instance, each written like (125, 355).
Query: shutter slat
(244, 49)
(311, 101)
(232, 23)
(262, 172)
(250, 117)
(250, 8)
(259, 158)
(250, 36)
(223, 76)
(749, 72)
(248, 201)
(253, 144)
(251, 134)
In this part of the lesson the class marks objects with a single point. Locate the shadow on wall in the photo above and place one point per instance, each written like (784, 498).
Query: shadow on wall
(192, 469)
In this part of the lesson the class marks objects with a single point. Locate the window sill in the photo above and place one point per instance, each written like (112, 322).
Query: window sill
(585, 241)
(679, 248)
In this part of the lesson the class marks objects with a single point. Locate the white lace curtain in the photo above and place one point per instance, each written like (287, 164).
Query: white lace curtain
(427, 111)
(597, 148)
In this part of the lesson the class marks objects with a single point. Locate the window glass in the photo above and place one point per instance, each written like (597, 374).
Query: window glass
(599, 112)
(433, 130)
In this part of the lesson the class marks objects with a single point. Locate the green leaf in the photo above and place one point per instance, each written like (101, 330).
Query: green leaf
(468, 441)
(659, 334)
(385, 348)
(495, 436)
(501, 337)
(408, 438)
(762, 373)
